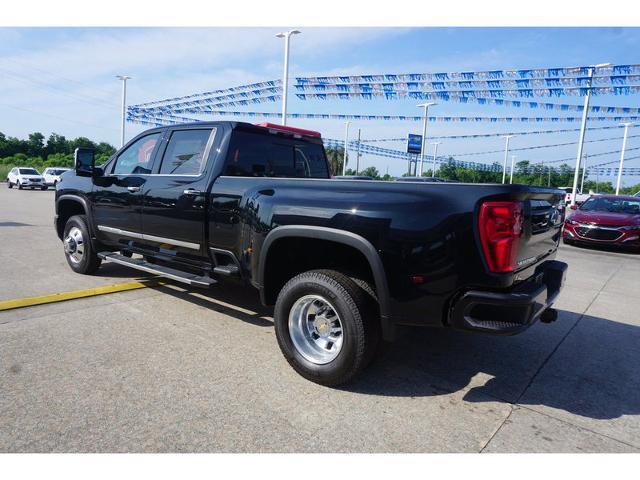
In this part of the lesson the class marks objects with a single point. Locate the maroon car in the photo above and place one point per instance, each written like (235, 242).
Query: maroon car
(605, 220)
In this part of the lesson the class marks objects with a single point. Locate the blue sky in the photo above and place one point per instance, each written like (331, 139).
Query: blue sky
(62, 79)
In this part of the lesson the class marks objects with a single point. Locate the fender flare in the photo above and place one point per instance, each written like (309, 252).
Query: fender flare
(78, 199)
(339, 236)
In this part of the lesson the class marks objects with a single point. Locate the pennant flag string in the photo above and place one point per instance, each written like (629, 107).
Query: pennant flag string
(492, 93)
(253, 86)
(447, 119)
(486, 74)
(487, 135)
(471, 84)
(537, 147)
(495, 167)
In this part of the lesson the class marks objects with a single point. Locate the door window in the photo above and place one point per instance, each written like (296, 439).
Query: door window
(185, 152)
(137, 158)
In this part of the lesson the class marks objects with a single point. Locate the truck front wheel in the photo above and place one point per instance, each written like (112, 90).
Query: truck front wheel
(78, 249)
(326, 326)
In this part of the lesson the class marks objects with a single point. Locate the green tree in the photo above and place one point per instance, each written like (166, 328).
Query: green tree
(335, 156)
(371, 172)
(35, 144)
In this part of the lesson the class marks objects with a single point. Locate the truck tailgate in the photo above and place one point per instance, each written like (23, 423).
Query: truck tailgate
(541, 228)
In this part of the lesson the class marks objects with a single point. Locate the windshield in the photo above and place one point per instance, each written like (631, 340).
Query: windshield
(28, 171)
(58, 171)
(613, 205)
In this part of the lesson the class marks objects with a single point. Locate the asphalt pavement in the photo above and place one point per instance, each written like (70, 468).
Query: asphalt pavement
(171, 369)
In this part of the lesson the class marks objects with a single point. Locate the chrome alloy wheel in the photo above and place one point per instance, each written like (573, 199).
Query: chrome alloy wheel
(315, 329)
(74, 245)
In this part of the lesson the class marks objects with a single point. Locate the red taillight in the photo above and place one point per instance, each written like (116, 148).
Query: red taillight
(500, 226)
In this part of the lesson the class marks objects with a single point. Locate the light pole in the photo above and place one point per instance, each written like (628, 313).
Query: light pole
(583, 127)
(506, 155)
(124, 79)
(346, 141)
(435, 154)
(424, 129)
(513, 159)
(358, 154)
(285, 76)
(624, 146)
(584, 169)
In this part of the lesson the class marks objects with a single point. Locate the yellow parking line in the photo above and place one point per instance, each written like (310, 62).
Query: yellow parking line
(89, 292)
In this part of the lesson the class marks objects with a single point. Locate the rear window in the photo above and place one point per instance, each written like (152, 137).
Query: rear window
(28, 171)
(266, 155)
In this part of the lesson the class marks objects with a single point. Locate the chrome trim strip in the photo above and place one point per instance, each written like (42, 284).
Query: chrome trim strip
(179, 243)
(600, 227)
(153, 238)
(118, 231)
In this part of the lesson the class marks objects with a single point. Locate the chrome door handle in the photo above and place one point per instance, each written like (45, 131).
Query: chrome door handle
(133, 189)
(191, 191)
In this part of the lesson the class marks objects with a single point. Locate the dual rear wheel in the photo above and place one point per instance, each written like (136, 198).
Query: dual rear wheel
(327, 326)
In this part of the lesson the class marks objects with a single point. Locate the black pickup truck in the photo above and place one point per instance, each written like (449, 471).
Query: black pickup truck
(344, 262)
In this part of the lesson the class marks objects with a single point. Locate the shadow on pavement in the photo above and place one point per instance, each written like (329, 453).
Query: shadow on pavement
(593, 373)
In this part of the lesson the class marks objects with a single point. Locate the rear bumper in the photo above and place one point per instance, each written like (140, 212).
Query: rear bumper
(508, 313)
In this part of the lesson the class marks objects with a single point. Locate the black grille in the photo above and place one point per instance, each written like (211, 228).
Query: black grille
(598, 233)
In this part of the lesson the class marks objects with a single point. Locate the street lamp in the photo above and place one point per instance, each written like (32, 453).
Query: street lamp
(435, 154)
(624, 146)
(285, 77)
(124, 79)
(346, 140)
(424, 129)
(513, 159)
(583, 127)
(506, 155)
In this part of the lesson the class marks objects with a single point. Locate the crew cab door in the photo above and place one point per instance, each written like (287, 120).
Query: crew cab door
(175, 195)
(117, 195)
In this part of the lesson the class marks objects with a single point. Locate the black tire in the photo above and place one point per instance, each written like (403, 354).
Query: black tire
(360, 325)
(19, 185)
(44, 188)
(90, 261)
(566, 241)
(9, 184)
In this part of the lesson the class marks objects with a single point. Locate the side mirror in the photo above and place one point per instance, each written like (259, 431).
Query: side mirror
(85, 159)
(573, 207)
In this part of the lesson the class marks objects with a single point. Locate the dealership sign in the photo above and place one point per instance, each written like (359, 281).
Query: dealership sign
(414, 143)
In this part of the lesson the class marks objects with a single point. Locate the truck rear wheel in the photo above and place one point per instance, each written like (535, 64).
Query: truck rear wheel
(326, 325)
(78, 249)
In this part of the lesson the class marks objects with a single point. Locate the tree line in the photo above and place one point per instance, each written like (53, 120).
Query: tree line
(55, 151)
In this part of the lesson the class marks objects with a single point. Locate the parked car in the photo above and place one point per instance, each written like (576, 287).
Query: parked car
(605, 219)
(53, 175)
(25, 177)
(344, 263)
(580, 197)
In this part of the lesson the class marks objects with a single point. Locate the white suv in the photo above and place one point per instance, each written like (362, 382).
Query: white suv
(52, 175)
(25, 177)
